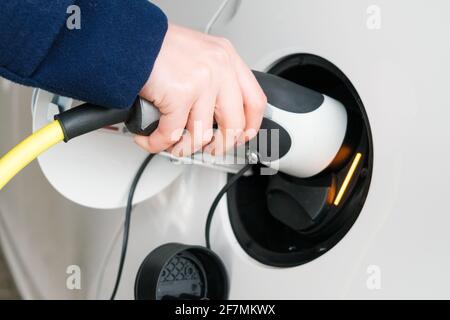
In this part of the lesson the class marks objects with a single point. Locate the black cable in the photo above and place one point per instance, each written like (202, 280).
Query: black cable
(216, 201)
(126, 225)
(129, 209)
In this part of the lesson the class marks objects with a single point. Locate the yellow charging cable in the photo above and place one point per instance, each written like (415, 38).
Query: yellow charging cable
(28, 150)
(67, 125)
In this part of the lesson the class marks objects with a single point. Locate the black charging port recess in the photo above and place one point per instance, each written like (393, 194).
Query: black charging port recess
(284, 221)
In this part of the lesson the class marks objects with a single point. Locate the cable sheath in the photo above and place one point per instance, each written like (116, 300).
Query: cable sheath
(126, 225)
(216, 201)
(28, 150)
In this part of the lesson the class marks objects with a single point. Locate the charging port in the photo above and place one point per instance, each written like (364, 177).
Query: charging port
(284, 221)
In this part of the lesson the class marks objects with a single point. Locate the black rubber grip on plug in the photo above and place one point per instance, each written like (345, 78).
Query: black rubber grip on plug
(89, 117)
(135, 121)
(286, 95)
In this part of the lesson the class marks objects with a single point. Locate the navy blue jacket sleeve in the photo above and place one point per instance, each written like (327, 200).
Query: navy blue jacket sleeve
(107, 61)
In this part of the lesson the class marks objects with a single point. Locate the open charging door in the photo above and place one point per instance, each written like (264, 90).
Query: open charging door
(96, 170)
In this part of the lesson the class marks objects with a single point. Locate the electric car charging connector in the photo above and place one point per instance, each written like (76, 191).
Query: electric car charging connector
(309, 130)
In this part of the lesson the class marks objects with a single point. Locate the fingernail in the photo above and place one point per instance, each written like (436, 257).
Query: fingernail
(208, 149)
(241, 139)
(180, 153)
(176, 152)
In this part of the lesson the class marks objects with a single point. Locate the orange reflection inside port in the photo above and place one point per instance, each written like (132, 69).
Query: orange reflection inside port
(347, 179)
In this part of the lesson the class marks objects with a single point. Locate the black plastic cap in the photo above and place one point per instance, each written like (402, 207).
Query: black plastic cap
(176, 271)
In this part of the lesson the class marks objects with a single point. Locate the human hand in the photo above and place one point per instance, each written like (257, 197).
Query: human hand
(198, 78)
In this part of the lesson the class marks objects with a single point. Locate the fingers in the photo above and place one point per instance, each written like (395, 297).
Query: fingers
(199, 127)
(254, 99)
(195, 79)
(255, 103)
(230, 118)
(168, 132)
